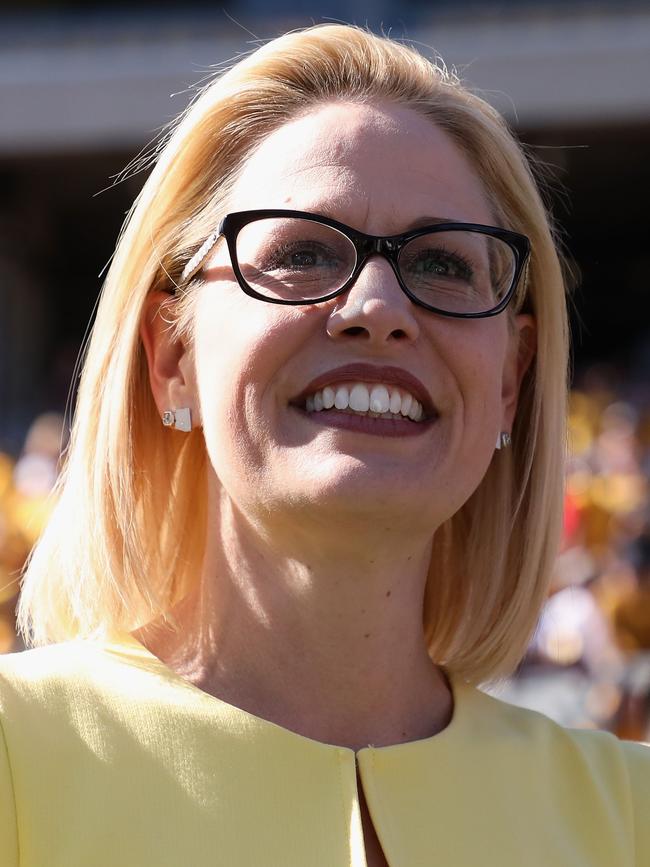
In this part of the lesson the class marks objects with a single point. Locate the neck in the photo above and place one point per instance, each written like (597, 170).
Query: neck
(318, 636)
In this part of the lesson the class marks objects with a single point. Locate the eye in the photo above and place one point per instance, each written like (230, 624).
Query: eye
(454, 269)
(301, 256)
(438, 263)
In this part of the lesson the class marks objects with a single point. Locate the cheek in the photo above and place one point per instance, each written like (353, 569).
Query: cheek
(242, 348)
(482, 385)
(475, 357)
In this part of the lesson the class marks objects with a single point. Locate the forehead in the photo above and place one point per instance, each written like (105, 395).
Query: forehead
(377, 167)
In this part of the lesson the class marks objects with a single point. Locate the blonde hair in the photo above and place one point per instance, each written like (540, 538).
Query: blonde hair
(127, 536)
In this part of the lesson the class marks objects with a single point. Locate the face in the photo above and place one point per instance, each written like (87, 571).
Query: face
(381, 170)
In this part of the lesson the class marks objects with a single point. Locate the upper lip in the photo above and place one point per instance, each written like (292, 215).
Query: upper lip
(360, 372)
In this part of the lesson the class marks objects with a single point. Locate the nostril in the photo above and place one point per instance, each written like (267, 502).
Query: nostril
(353, 330)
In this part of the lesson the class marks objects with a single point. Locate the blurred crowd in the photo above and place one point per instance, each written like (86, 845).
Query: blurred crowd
(589, 662)
(25, 502)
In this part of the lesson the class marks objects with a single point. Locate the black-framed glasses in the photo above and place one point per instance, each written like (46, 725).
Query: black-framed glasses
(465, 270)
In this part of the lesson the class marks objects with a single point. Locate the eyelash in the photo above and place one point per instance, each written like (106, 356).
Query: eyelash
(286, 249)
(455, 258)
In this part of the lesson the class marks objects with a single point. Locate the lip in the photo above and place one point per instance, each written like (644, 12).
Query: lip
(382, 427)
(359, 372)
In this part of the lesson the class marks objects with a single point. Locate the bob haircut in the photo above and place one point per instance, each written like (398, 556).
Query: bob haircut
(127, 534)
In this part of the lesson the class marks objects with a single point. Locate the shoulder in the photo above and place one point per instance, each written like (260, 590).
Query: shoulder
(44, 679)
(622, 771)
(637, 759)
(35, 686)
(67, 693)
(35, 681)
(583, 767)
(87, 695)
(601, 752)
(8, 819)
(67, 711)
(78, 678)
(46, 692)
(36, 667)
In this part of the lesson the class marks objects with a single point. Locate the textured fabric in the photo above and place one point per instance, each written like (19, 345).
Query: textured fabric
(109, 758)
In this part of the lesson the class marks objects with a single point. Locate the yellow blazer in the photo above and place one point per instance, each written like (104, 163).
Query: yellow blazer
(109, 758)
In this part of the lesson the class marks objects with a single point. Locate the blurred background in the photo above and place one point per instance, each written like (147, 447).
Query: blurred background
(85, 88)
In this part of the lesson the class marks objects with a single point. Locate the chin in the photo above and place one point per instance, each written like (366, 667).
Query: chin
(349, 486)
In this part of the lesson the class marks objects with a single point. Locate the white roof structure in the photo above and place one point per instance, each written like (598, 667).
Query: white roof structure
(65, 89)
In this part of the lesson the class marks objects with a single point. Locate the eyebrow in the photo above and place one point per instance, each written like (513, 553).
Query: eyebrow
(332, 214)
(431, 221)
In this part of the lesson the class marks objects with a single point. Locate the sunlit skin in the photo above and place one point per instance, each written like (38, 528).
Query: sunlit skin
(319, 539)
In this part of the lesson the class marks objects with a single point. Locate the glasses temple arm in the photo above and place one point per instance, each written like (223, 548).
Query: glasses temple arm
(197, 260)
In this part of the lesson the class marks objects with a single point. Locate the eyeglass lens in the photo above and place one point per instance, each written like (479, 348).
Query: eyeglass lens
(292, 259)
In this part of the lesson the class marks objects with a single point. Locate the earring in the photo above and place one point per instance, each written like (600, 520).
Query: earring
(503, 440)
(181, 419)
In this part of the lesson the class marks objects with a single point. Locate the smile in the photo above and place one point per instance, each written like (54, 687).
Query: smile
(373, 401)
(382, 400)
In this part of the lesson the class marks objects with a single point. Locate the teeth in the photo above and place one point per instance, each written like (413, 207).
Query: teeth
(328, 397)
(359, 398)
(407, 400)
(341, 397)
(377, 401)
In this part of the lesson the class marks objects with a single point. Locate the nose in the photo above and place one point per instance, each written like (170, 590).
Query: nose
(374, 308)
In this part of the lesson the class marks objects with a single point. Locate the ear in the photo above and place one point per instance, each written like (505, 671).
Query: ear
(170, 361)
(521, 351)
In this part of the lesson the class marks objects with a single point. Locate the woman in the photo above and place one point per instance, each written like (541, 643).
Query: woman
(286, 550)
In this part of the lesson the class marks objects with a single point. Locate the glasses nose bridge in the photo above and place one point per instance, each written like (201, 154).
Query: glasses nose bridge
(386, 247)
